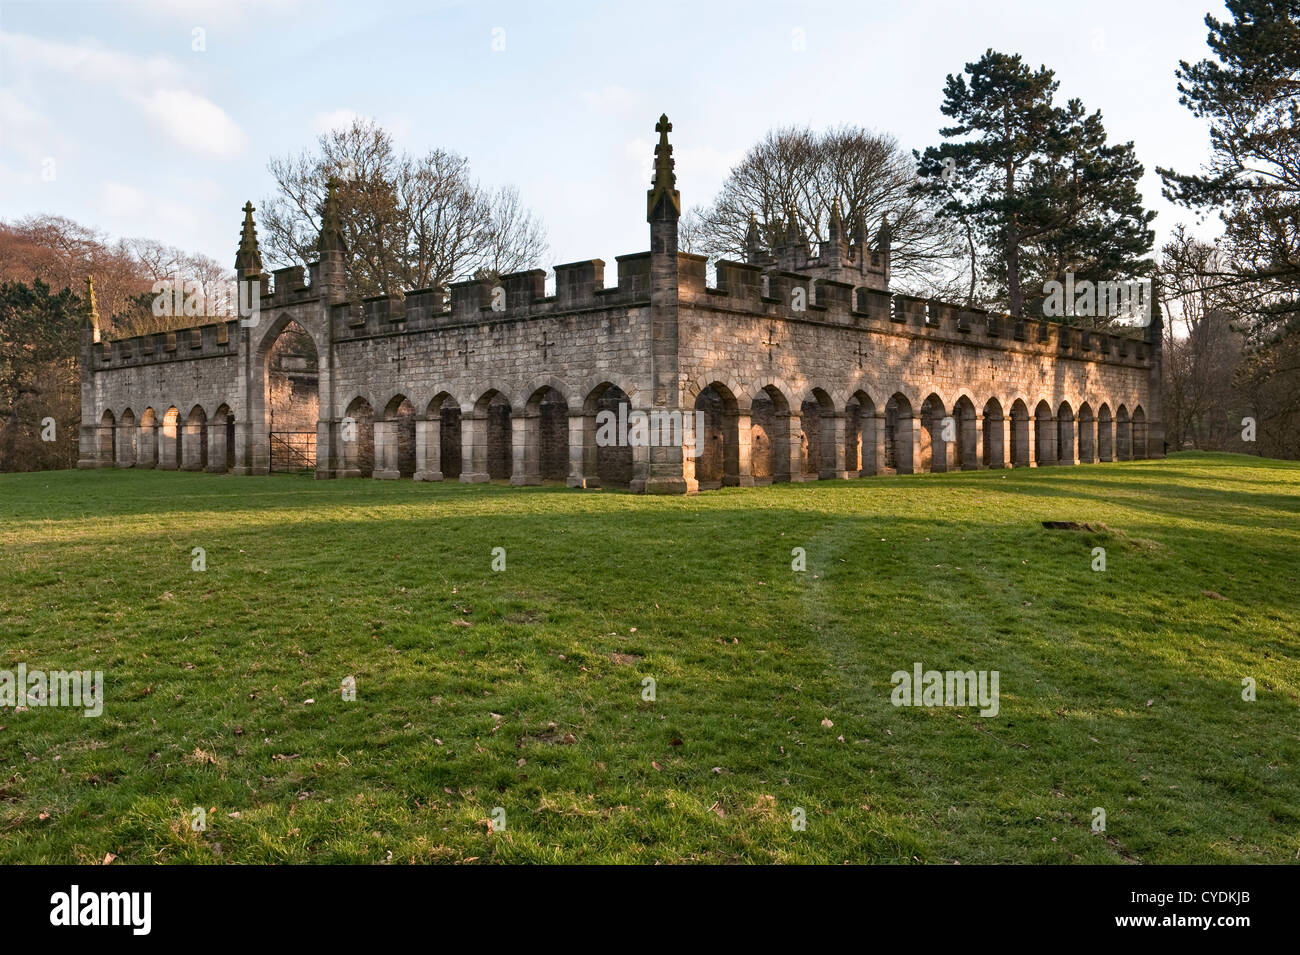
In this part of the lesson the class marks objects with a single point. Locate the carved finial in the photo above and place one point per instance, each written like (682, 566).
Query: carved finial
(331, 225)
(92, 308)
(248, 260)
(665, 182)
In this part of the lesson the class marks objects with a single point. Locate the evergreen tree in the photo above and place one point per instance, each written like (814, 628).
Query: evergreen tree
(1037, 184)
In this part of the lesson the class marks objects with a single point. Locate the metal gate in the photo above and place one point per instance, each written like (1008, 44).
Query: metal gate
(293, 451)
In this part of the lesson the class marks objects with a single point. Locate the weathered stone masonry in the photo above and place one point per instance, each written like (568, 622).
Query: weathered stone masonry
(805, 368)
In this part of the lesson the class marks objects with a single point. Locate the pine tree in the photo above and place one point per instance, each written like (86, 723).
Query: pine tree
(1038, 184)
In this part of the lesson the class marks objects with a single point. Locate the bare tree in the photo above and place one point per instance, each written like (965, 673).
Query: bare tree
(408, 222)
(803, 171)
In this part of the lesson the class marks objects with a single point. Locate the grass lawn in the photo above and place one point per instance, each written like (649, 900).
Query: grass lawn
(523, 689)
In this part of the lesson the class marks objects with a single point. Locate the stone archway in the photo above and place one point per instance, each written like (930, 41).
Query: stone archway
(286, 435)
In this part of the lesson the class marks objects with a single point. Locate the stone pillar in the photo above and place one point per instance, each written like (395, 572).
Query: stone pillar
(837, 433)
(794, 429)
(941, 451)
(1072, 457)
(192, 447)
(1031, 443)
(217, 445)
(386, 451)
(999, 432)
(325, 464)
(525, 448)
(1048, 450)
(125, 437)
(1004, 425)
(580, 474)
(879, 442)
(915, 432)
(744, 431)
(473, 447)
(641, 470)
(428, 448)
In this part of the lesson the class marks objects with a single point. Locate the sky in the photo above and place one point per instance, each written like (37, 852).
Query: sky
(157, 118)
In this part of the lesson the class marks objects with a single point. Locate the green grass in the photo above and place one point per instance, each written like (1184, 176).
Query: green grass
(1120, 689)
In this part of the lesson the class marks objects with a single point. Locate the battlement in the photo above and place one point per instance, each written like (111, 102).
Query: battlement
(741, 287)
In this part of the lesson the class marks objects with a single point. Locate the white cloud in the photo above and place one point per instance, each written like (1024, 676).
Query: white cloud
(155, 85)
(133, 208)
(193, 121)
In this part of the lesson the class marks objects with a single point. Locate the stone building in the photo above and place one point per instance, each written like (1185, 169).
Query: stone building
(803, 367)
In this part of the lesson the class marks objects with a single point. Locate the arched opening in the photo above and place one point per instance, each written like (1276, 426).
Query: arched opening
(147, 449)
(127, 434)
(1123, 435)
(1105, 434)
(357, 435)
(817, 421)
(1087, 434)
(1044, 435)
(442, 440)
(967, 451)
(717, 460)
(195, 443)
(107, 440)
(492, 418)
(934, 449)
(395, 440)
(293, 399)
(221, 440)
(1065, 434)
(1139, 432)
(860, 435)
(769, 436)
(993, 452)
(1019, 435)
(170, 440)
(546, 437)
(899, 442)
(607, 459)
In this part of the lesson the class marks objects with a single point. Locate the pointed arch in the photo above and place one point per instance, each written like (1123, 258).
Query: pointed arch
(170, 440)
(357, 439)
(1123, 435)
(861, 454)
(1087, 434)
(993, 450)
(1139, 425)
(1065, 447)
(195, 443)
(147, 449)
(221, 440)
(900, 438)
(717, 445)
(1105, 434)
(769, 423)
(106, 440)
(934, 448)
(1021, 435)
(607, 459)
(127, 434)
(967, 453)
(1044, 435)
